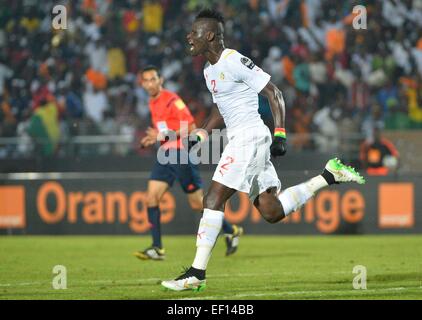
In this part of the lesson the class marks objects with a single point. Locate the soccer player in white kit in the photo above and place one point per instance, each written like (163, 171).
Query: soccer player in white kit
(235, 82)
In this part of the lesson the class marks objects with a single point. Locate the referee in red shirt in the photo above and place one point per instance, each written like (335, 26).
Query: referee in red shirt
(167, 112)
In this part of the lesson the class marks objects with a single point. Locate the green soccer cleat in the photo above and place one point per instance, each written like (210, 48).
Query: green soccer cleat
(343, 173)
(191, 283)
(187, 281)
(151, 253)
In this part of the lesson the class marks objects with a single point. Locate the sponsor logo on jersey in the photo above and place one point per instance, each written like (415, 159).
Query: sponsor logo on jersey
(180, 104)
(222, 76)
(247, 62)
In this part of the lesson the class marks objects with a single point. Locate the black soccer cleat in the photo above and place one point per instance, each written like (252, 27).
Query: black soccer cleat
(232, 240)
(151, 253)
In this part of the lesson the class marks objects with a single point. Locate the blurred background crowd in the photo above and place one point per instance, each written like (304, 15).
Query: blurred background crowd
(339, 83)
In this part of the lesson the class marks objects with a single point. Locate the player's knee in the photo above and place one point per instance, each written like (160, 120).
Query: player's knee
(152, 203)
(152, 200)
(272, 216)
(271, 212)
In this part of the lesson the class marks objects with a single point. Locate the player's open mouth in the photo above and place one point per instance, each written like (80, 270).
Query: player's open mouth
(192, 47)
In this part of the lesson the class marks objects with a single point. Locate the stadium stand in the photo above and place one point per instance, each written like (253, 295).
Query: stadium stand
(83, 81)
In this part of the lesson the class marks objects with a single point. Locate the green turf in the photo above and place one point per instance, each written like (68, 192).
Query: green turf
(265, 267)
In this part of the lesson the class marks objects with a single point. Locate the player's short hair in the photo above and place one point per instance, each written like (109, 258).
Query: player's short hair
(151, 67)
(210, 14)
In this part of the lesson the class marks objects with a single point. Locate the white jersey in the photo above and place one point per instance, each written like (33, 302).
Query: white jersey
(234, 82)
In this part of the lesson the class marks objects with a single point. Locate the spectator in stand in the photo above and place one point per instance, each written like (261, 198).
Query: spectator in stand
(44, 127)
(7, 119)
(414, 96)
(388, 97)
(378, 155)
(359, 94)
(153, 16)
(309, 48)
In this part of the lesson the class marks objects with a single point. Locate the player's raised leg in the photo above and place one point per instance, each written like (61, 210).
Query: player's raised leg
(156, 190)
(209, 228)
(274, 208)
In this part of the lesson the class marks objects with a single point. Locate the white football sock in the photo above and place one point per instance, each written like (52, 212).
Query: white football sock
(295, 197)
(208, 231)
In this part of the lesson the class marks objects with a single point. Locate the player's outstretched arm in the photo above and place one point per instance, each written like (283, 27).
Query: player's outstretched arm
(276, 101)
(278, 110)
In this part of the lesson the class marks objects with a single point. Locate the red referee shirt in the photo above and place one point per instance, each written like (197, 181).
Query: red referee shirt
(167, 111)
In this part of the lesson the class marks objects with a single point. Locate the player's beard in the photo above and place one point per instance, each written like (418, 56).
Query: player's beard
(195, 50)
(192, 51)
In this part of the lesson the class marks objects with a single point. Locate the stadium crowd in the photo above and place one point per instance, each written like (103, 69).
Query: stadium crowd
(57, 84)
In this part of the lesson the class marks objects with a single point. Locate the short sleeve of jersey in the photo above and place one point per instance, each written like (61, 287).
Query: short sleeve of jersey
(181, 110)
(243, 69)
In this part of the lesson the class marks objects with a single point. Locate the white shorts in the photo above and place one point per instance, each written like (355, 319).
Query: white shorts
(245, 163)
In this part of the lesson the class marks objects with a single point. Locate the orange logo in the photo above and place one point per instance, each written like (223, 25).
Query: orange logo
(95, 207)
(396, 205)
(12, 207)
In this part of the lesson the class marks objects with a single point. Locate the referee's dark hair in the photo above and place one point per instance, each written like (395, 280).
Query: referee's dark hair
(151, 67)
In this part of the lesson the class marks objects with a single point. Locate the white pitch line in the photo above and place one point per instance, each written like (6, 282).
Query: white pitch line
(240, 295)
(130, 280)
(81, 282)
(20, 284)
(236, 275)
(274, 294)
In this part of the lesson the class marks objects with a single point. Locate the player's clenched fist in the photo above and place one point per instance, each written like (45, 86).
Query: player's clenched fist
(279, 147)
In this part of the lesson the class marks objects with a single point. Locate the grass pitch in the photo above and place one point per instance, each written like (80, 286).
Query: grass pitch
(265, 267)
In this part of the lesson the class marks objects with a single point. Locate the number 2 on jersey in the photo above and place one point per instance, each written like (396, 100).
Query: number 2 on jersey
(213, 84)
